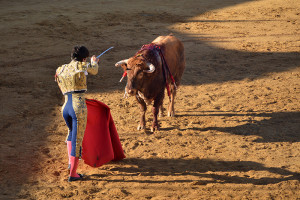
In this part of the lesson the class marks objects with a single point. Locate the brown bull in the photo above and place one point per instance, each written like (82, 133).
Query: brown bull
(153, 68)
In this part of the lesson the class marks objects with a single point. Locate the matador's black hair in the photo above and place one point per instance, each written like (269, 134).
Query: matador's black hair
(79, 53)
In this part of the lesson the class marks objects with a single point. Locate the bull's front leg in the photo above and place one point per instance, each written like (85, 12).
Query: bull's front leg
(156, 106)
(143, 108)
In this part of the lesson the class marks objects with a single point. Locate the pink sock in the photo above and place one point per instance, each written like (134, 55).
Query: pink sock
(74, 165)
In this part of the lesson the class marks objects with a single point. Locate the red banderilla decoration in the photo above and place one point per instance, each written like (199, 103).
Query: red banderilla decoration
(123, 76)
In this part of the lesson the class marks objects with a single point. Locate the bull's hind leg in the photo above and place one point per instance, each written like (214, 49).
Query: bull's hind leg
(171, 110)
(143, 108)
(161, 111)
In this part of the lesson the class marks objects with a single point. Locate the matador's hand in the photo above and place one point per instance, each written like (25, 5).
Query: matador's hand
(94, 60)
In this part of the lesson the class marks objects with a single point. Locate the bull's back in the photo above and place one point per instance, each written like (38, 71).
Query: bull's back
(173, 51)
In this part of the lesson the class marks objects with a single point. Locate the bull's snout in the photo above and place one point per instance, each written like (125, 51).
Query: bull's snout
(131, 91)
(130, 88)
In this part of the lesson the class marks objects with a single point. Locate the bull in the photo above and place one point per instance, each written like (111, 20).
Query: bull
(153, 68)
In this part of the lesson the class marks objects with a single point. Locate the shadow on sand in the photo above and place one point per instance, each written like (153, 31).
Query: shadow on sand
(206, 171)
(278, 127)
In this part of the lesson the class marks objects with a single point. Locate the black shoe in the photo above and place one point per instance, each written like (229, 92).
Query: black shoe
(81, 175)
(75, 178)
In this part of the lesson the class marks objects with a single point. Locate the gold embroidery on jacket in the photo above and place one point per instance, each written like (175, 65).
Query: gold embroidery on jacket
(72, 77)
(80, 110)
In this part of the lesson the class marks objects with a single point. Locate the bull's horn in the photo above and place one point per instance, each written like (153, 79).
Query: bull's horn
(118, 64)
(151, 68)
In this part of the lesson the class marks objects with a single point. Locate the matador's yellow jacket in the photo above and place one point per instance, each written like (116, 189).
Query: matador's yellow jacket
(72, 77)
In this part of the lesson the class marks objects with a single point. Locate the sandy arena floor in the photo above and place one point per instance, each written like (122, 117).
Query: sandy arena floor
(236, 134)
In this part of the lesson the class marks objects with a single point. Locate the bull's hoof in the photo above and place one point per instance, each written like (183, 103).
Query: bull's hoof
(152, 129)
(140, 127)
(171, 114)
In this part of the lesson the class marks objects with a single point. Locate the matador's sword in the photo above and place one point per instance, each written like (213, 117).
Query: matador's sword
(105, 52)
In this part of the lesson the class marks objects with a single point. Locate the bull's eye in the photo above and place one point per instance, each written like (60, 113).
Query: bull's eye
(127, 69)
(140, 75)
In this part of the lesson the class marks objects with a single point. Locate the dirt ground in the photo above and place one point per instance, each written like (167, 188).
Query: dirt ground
(236, 134)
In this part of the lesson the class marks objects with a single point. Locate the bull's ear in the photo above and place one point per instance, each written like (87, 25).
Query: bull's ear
(122, 63)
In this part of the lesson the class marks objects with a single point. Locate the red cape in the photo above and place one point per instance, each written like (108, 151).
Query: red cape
(101, 142)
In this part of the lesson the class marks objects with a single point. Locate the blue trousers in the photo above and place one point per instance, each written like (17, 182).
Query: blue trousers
(74, 112)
